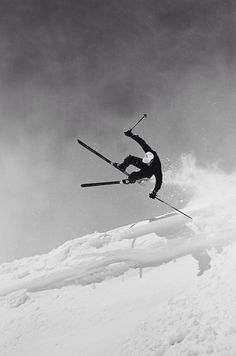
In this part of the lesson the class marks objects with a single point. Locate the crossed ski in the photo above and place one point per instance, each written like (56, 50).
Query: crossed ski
(97, 184)
(123, 181)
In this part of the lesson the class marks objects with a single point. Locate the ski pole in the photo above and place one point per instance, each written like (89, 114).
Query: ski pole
(171, 206)
(144, 115)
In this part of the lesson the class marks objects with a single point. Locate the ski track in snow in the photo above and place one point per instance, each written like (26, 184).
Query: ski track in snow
(54, 304)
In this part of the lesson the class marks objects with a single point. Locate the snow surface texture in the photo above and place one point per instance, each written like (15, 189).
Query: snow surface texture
(53, 304)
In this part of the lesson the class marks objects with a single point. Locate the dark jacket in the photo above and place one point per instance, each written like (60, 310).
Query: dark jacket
(154, 167)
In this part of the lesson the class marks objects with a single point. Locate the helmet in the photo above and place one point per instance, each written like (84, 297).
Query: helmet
(148, 157)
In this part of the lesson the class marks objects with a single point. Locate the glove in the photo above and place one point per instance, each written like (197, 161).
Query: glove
(128, 133)
(153, 194)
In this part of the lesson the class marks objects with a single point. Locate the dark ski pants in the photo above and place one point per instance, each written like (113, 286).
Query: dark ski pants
(137, 162)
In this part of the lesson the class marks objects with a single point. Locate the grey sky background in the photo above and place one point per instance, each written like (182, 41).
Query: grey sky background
(90, 69)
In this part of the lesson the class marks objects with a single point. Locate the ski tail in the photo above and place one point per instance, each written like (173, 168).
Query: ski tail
(97, 184)
(100, 155)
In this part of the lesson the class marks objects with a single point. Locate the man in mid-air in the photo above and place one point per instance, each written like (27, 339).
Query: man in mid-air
(148, 166)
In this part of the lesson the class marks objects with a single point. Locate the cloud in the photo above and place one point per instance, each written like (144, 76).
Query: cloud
(118, 53)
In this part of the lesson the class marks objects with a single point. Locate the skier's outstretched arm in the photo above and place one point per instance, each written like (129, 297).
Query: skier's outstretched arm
(139, 140)
(158, 184)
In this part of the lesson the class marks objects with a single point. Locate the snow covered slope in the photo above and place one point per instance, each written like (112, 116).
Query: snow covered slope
(169, 311)
(86, 297)
(99, 256)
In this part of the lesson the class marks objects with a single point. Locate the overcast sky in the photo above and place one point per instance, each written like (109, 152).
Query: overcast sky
(90, 69)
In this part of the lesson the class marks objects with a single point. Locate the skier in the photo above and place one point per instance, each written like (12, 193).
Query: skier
(149, 165)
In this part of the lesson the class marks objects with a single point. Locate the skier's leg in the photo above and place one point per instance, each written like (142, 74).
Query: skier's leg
(136, 162)
(132, 160)
(133, 177)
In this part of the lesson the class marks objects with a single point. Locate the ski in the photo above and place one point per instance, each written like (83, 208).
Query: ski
(100, 155)
(123, 181)
(126, 173)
